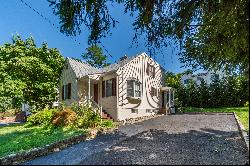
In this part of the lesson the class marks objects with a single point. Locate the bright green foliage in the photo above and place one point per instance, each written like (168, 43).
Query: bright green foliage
(5, 103)
(87, 118)
(95, 57)
(231, 91)
(17, 138)
(241, 112)
(41, 118)
(28, 73)
(108, 124)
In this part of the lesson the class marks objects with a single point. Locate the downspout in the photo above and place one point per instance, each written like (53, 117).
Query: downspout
(89, 88)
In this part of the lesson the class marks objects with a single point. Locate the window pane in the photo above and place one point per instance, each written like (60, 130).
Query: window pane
(130, 88)
(108, 88)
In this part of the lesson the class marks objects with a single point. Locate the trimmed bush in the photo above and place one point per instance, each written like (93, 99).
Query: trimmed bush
(41, 118)
(108, 124)
(64, 118)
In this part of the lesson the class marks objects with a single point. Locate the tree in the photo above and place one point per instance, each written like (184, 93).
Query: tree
(28, 73)
(95, 57)
(211, 33)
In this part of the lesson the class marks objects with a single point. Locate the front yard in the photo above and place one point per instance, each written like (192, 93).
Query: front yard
(17, 138)
(241, 112)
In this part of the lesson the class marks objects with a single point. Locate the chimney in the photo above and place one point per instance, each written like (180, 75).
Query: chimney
(124, 57)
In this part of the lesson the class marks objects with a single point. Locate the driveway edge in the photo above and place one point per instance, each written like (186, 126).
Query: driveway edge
(243, 134)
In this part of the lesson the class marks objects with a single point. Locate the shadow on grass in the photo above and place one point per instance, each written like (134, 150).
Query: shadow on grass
(204, 146)
(21, 138)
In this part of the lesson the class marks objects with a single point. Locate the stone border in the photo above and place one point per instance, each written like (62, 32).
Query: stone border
(138, 119)
(207, 113)
(14, 159)
(242, 131)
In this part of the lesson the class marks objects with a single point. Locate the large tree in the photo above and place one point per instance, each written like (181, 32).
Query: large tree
(29, 73)
(211, 33)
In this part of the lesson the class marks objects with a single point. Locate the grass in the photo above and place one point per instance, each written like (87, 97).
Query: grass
(17, 138)
(241, 112)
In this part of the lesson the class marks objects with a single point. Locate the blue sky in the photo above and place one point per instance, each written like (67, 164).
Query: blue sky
(16, 18)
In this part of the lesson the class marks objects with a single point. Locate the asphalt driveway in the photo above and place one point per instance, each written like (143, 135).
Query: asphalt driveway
(176, 139)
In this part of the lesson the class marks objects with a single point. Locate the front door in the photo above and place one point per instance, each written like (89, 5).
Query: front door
(163, 100)
(96, 93)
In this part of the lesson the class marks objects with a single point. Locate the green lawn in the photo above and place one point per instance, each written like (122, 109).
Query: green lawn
(241, 112)
(17, 138)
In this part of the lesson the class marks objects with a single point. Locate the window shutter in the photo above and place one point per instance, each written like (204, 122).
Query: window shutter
(63, 92)
(153, 72)
(103, 88)
(147, 69)
(113, 86)
(69, 90)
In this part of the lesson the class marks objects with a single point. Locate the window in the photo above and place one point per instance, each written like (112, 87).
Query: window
(133, 88)
(214, 76)
(109, 87)
(135, 111)
(200, 79)
(153, 91)
(148, 111)
(66, 91)
(150, 70)
(137, 89)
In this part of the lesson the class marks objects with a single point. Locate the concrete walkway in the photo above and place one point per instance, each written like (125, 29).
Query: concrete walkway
(175, 139)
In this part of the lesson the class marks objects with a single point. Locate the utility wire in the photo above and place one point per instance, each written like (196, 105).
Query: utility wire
(50, 22)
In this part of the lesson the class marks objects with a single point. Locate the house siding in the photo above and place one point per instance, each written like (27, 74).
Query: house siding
(137, 69)
(109, 104)
(68, 76)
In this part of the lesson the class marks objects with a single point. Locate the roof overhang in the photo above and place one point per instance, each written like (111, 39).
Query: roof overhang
(166, 88)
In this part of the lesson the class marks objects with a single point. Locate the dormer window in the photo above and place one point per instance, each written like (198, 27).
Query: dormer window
(150, 70)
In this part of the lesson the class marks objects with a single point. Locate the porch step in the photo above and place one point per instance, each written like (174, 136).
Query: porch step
(106, 115)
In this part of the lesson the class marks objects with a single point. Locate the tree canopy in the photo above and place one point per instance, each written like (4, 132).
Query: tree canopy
(211, 33)
(95, 56)
(29, 73)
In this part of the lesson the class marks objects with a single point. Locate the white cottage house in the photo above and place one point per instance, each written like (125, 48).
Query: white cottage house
(131, 88)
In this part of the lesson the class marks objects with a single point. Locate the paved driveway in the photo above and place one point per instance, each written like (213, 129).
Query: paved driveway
(175, 139)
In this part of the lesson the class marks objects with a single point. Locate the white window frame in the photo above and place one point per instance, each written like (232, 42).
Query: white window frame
(136, 88)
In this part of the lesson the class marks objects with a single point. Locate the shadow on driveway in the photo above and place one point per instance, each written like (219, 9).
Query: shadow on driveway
(207, 146)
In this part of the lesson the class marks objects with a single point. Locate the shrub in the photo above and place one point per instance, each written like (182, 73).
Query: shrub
(86, 117)
(108, 124)
(41, 118)
(246, 104)
(5, 104)
(64, 118)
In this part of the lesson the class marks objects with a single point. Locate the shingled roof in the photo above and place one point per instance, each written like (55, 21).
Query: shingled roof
(117, 65)
(81, 68)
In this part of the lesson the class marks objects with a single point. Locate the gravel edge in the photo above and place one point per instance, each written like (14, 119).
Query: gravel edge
(242, 131)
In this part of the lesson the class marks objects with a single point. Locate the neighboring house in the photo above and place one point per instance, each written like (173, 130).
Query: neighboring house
(197, 78)
(132, 87)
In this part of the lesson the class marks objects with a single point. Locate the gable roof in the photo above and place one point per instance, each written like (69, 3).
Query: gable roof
(81, 68)
(117, 65)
